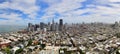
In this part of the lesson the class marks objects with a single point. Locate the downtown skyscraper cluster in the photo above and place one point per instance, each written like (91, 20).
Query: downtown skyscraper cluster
(53, 26)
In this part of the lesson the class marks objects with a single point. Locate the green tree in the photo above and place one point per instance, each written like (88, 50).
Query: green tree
(29, 43)
(81, 52)
(43, 46)
(7, 50)
(18, 51)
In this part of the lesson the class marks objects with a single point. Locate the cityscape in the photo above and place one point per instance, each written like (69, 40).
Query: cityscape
(63, 38)
(59, 26)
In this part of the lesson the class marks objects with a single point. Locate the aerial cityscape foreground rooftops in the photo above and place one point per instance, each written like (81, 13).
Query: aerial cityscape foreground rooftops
(60, 38)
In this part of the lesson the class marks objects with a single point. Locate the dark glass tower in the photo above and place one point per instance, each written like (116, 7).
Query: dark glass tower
(36, 27)
(41, 25)
(60, 24)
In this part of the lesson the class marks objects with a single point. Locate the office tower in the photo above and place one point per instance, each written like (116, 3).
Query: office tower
(32, 28)
(56, 26)
(29, 27)
(29, 24)
(52, 25)
(60, 24)
(41, 25)
(48, 26)
(65, 26)
(116, 24)
(36, 27)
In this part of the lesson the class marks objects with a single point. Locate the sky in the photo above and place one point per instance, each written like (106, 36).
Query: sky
(21, 12)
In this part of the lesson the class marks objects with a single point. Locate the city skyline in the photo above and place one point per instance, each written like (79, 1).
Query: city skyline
(77, 11)
(59, 26)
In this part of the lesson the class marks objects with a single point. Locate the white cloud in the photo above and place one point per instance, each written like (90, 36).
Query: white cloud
(68, 10)
(114, 0)
(105, 1)
(90, 18)
(11, 19)
(99, 12)
(51, 2)
(107, 10)
(115, 5)
(64, 6)
(27, 6)
(11, 16)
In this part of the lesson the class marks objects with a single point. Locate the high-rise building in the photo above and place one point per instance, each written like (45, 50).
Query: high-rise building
(29, 27)
(32, 28)
(48, 26)
(56, 26)
(36, 27)
(60, 24)
(29, 24)
(41, 25)
(52, 26)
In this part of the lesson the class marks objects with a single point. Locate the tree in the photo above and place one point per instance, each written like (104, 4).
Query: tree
(81, 52)
(43, 46)
(118, 35)
(18, 51)
(29, 43)
(7, 50)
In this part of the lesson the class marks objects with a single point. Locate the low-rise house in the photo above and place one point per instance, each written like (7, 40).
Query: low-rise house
(14, 49)
(4, 43)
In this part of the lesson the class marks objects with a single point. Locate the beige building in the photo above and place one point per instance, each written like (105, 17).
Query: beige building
(50, 50)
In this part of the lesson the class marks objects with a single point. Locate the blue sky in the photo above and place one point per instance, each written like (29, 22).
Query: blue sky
(21, 12)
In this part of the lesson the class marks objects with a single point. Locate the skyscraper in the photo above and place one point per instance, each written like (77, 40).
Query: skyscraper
(56, 26)
(36, 27)
(53, 25)
(29, 26)
(41, 25)
(48, 26)
(60, 24)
